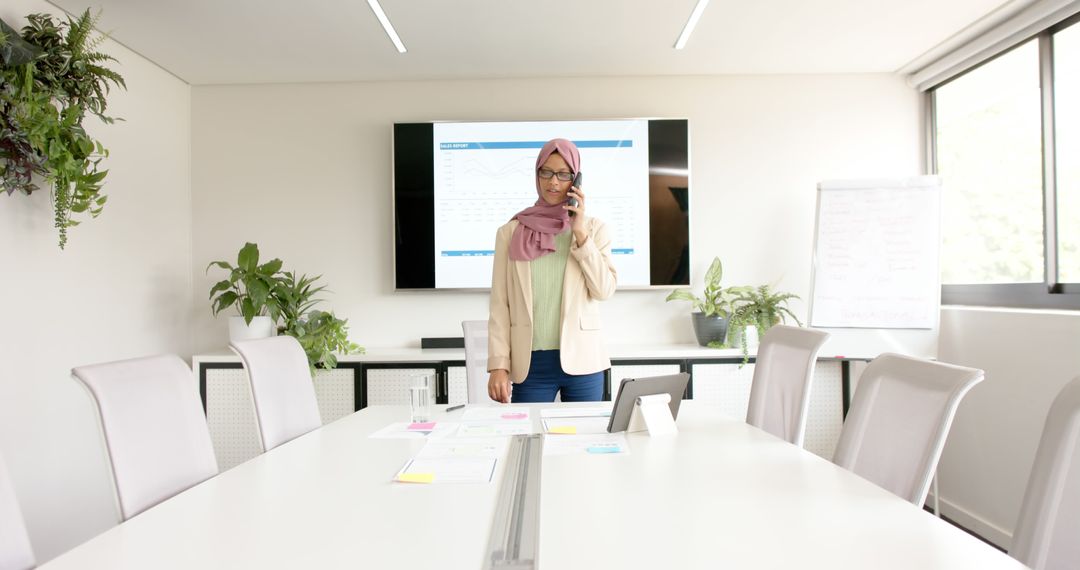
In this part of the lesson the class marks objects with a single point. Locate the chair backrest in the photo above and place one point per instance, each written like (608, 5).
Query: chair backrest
(899, 420)
(281, 387)
(15, 551)
(476, 355)
(154, 428)
(1047, 531)
(780, 393)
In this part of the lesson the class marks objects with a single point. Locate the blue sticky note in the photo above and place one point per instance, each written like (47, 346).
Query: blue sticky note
(603, 449)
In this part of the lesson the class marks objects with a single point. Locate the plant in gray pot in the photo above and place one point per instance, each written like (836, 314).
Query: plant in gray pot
(713, 309)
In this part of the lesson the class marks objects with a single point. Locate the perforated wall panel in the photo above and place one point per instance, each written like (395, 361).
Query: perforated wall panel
(336, 393)
(458, 385)
(637, 371)
(390, 386)
(230, 415)
(826, 415)
(230, 412)
(728, 387)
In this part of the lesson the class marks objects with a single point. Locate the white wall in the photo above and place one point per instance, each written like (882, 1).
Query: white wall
(121, 289)
(1028, 357)
(304, 170)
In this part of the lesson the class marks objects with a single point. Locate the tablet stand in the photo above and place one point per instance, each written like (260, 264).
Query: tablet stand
(652, 413)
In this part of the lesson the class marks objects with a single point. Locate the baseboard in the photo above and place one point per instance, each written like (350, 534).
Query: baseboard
(974, 524)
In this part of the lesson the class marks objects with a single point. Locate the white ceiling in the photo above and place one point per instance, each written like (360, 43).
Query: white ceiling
(265, 41)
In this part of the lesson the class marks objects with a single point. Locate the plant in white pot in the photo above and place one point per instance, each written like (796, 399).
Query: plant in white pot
(757, 308)
(248, 288)
(713, 308)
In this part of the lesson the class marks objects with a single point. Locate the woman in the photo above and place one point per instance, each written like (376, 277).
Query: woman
(552, 267)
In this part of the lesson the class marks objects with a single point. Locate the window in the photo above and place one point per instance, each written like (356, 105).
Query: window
(1067, 157)
(1006, 137)
(989, 156)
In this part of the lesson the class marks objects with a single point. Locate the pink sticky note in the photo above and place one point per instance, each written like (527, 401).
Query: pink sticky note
(514, 416)
(422, 426)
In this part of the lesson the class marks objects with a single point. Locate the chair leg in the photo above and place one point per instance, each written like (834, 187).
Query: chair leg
(937, 497)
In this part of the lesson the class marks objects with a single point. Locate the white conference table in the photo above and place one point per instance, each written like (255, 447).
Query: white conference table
(720, 494)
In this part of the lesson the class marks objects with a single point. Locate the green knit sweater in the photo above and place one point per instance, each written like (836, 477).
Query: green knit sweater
(547, 289)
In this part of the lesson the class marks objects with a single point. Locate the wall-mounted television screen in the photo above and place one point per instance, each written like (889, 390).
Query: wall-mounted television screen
(455, 183)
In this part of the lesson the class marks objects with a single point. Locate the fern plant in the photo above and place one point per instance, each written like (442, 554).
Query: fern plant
(51, 77)
(762, 308)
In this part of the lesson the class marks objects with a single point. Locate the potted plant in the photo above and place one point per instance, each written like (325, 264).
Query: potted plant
(320, 333)
(51, 77)
(248, 288)
(713, 308)
(760, 308)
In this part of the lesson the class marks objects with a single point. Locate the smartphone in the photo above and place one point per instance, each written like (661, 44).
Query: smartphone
(577, 184)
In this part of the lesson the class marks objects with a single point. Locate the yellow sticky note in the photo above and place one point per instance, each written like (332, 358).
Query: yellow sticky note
(416, 477)
(564, 430)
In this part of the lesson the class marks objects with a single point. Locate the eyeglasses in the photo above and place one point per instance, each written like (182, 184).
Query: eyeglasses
(547, 173)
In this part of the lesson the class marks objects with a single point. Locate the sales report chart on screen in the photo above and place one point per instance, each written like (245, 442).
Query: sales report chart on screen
(484, 174)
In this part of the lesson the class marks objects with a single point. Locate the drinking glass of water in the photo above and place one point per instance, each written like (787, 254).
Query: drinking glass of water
(420, 398)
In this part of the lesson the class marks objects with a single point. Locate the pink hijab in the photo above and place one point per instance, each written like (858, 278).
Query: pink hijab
(539, 224)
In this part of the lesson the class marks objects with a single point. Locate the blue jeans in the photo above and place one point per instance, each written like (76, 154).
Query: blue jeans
(546, 378)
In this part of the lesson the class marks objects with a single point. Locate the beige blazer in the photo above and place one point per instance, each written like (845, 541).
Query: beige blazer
(589, 279)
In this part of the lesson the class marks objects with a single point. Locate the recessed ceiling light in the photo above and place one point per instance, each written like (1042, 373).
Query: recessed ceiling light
(377, 8)
(689, 27)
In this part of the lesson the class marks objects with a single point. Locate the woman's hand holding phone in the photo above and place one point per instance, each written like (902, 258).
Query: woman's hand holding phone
(576, 205)
(575, 198)
(575, 189)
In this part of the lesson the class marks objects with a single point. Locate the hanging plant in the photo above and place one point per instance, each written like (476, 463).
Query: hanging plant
(50, 78)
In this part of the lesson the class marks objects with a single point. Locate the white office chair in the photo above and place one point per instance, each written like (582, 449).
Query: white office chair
(780, 393)
(899, 420)
(476, 355)
(1047, 530)
(281, 387)
(15, 551)
(154, 428)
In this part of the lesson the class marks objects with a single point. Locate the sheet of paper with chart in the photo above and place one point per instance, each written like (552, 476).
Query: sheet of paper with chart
(495, 421)
(587, 444)
(565, 425)
(484, 174)
(407, 430)
(572, 421)
(454, 460)
(496, 413)
(493, 429)
(584, 412)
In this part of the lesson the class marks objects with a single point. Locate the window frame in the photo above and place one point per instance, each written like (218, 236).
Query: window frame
(1050, 294)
